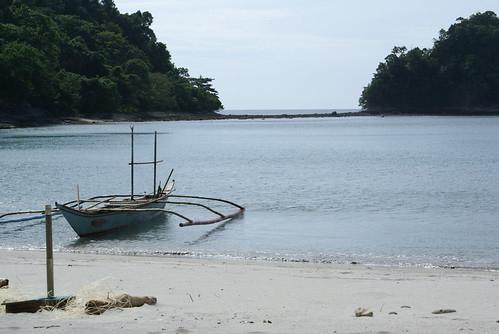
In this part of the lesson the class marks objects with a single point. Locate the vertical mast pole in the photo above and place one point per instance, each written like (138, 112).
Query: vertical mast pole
(78, 195)
(155, 152)
(49, 251)
(131, 167)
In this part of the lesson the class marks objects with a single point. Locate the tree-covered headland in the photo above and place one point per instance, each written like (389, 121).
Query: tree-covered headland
(459, 74)
(85, 58)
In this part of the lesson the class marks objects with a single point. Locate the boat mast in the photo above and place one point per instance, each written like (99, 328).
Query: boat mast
(155, 162)
(131, 166)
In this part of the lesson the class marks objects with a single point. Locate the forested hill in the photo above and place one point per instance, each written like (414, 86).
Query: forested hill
(459, 74)
(85, 58)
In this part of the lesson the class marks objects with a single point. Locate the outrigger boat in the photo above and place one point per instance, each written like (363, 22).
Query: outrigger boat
(110, 212)
(100, 214)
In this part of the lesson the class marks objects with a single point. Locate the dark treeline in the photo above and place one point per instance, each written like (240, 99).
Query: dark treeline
(460, 73)
(83, 57)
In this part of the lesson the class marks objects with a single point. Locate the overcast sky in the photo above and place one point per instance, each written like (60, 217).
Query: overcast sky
(295, 54)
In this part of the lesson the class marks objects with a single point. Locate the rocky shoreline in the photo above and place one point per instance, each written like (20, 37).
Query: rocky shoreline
(38, 118)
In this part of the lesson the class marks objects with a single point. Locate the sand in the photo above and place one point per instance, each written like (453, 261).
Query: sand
(237, 296)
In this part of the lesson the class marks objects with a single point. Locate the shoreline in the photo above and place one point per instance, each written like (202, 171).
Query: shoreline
(12, 123)
(42, 120)
(354, 261)
(217, 296)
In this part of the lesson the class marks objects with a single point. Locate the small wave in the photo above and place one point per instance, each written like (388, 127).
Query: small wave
(338, 259)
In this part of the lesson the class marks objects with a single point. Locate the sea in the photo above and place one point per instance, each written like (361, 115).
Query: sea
(388, 191)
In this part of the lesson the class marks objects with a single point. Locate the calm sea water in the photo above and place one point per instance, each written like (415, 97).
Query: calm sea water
(393, 190)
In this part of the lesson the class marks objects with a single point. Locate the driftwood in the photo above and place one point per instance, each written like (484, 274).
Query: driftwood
(96, 307)
(35, 305)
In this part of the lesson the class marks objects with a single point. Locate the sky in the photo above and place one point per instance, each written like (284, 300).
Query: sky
(295, 54)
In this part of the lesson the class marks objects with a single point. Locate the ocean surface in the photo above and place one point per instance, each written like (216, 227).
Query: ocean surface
(420, 191)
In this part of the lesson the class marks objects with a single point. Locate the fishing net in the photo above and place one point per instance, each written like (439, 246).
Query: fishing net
(103, 289)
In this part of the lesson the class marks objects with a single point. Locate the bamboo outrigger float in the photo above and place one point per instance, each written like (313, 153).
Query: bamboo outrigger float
(104, 213)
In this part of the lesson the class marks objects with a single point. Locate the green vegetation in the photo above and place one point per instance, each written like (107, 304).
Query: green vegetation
(460, 73)
(83, 57)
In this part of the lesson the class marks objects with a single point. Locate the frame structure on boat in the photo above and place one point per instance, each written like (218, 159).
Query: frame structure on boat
(100, 214)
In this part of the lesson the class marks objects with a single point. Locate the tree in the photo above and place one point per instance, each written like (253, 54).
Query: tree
(98, 96)
(162, 92)
(24, 74)
(84, 57)
(67, 97)
(461, 71)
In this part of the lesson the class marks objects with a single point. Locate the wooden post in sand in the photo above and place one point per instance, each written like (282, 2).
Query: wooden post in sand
(49, 251)
(51, 302)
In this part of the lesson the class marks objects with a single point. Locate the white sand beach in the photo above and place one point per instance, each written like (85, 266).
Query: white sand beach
(236, 296)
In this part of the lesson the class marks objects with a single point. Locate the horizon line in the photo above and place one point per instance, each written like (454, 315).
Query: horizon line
(293, 109)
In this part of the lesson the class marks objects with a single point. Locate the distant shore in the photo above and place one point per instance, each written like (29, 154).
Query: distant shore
(37, 119)
(239, 296)
(472, 111)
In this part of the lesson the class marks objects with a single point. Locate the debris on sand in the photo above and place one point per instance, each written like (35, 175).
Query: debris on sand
(363, 312)
(246, 322)
(443, 311)
(4, 283)
(96, 307)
